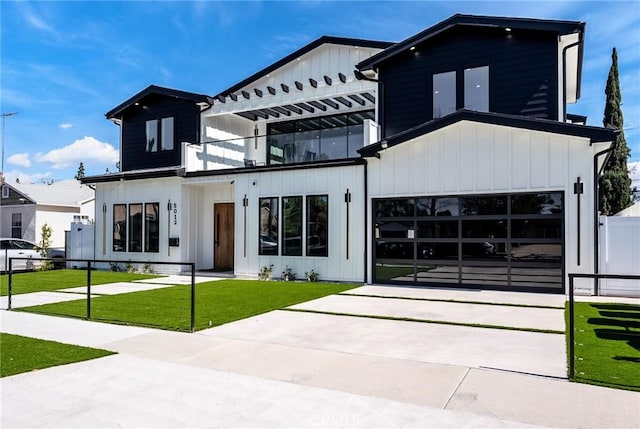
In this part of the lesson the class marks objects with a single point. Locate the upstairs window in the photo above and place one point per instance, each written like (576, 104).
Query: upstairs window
(167, 134)
(444, 94)
(160, 134)
(152, 136)
(476, 89)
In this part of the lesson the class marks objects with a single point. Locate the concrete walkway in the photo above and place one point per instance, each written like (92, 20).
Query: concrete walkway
(297, 369)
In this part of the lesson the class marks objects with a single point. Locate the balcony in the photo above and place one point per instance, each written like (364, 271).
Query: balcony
(304, 141)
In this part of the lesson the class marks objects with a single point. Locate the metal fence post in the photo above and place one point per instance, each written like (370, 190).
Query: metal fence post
(88, 290)
(193, 298)
(10, 285)
(572, 354)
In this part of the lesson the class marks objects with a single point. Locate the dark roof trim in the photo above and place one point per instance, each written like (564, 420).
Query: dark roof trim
(577, 118)
(305, 49)
(134, 175)
(279, 167)
(594, 134)
(554, 26)
(116, 112)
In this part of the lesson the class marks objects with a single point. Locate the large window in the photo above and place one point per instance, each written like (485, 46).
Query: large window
(135, 228)
(314, 139)
(444, 94)
(151, 227)
(317, 217)
(476, 89)
(120, 228)
(16, 225)
(268, 241)
(292, 226)
(310, 236)
(132, 232)
(160, 134)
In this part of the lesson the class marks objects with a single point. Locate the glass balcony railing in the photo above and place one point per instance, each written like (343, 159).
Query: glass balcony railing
(310, 140)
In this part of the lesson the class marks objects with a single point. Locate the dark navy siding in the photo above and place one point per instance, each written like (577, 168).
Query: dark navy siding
(186, 116)
(522, 74)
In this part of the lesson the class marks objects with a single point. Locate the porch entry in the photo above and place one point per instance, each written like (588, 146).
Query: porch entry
(223, 236)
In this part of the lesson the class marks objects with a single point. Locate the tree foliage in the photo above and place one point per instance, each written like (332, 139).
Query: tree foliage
(80, 174)
(615, 183)
(45, 246)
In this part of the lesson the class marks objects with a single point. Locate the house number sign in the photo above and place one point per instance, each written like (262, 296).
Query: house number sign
(175, 213)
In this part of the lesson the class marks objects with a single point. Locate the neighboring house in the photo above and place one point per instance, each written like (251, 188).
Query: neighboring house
(446, 159)
(25, 208)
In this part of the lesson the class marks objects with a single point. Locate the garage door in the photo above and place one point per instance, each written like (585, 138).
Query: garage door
(497, 241)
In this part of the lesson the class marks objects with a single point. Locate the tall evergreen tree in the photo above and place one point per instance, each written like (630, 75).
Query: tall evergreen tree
(80, 174)
(615, 183)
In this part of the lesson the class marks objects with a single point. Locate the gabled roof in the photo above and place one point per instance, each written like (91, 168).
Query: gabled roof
(305, 49)
(553, 26)
(66, 193)
(594, 134)
(116, 112)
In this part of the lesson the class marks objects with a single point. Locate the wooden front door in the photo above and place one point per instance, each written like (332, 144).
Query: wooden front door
(223, 233)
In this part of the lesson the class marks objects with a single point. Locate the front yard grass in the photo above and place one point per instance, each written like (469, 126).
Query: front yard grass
(607, 344)
(39, 281)
(216, 303)
(22, 354)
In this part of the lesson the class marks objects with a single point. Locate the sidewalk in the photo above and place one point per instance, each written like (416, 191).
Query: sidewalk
(294, 369)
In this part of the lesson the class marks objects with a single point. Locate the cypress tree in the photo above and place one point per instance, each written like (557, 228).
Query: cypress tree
(615, 183)
(80, 174)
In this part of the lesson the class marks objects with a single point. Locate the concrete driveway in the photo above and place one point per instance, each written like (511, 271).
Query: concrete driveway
(310, 368)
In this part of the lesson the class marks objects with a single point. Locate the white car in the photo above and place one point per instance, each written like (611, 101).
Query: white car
(18, 248)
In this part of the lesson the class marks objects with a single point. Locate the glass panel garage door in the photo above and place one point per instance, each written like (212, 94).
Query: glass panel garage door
(512, 241)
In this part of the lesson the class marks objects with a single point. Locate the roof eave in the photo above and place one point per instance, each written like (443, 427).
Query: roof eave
(558, 26)
(300, 52)
(594, 134)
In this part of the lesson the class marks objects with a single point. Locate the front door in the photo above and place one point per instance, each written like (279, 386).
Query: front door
(223, 232)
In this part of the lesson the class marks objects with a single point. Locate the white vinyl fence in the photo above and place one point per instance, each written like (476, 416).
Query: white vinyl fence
(79, 244)
(620, 254)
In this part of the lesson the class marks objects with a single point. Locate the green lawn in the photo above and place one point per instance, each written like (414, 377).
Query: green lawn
(23, 354)
(38, 281)
(217, 302)
(608, 344)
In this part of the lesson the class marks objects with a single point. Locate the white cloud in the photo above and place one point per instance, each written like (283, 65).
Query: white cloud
(83, 150)
(12, 175)
(21, 159)
(65, 126)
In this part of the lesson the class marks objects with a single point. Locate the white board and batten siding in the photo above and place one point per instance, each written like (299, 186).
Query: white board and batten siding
(475, 158)
(333, 182)
(158, 190)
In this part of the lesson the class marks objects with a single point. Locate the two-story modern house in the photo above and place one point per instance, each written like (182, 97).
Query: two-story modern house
(446, 159)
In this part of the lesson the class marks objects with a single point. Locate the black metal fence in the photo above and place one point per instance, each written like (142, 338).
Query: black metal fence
(572, 328)
(91, 266)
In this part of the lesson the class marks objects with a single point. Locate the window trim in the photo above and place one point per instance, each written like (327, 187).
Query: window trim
(261, 201)
(146, 229)
(308, 222)
(161, 144)
(454, 96)
(121, 233)
(285, 223)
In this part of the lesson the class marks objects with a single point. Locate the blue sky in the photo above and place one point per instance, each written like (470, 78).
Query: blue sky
(65, 64)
